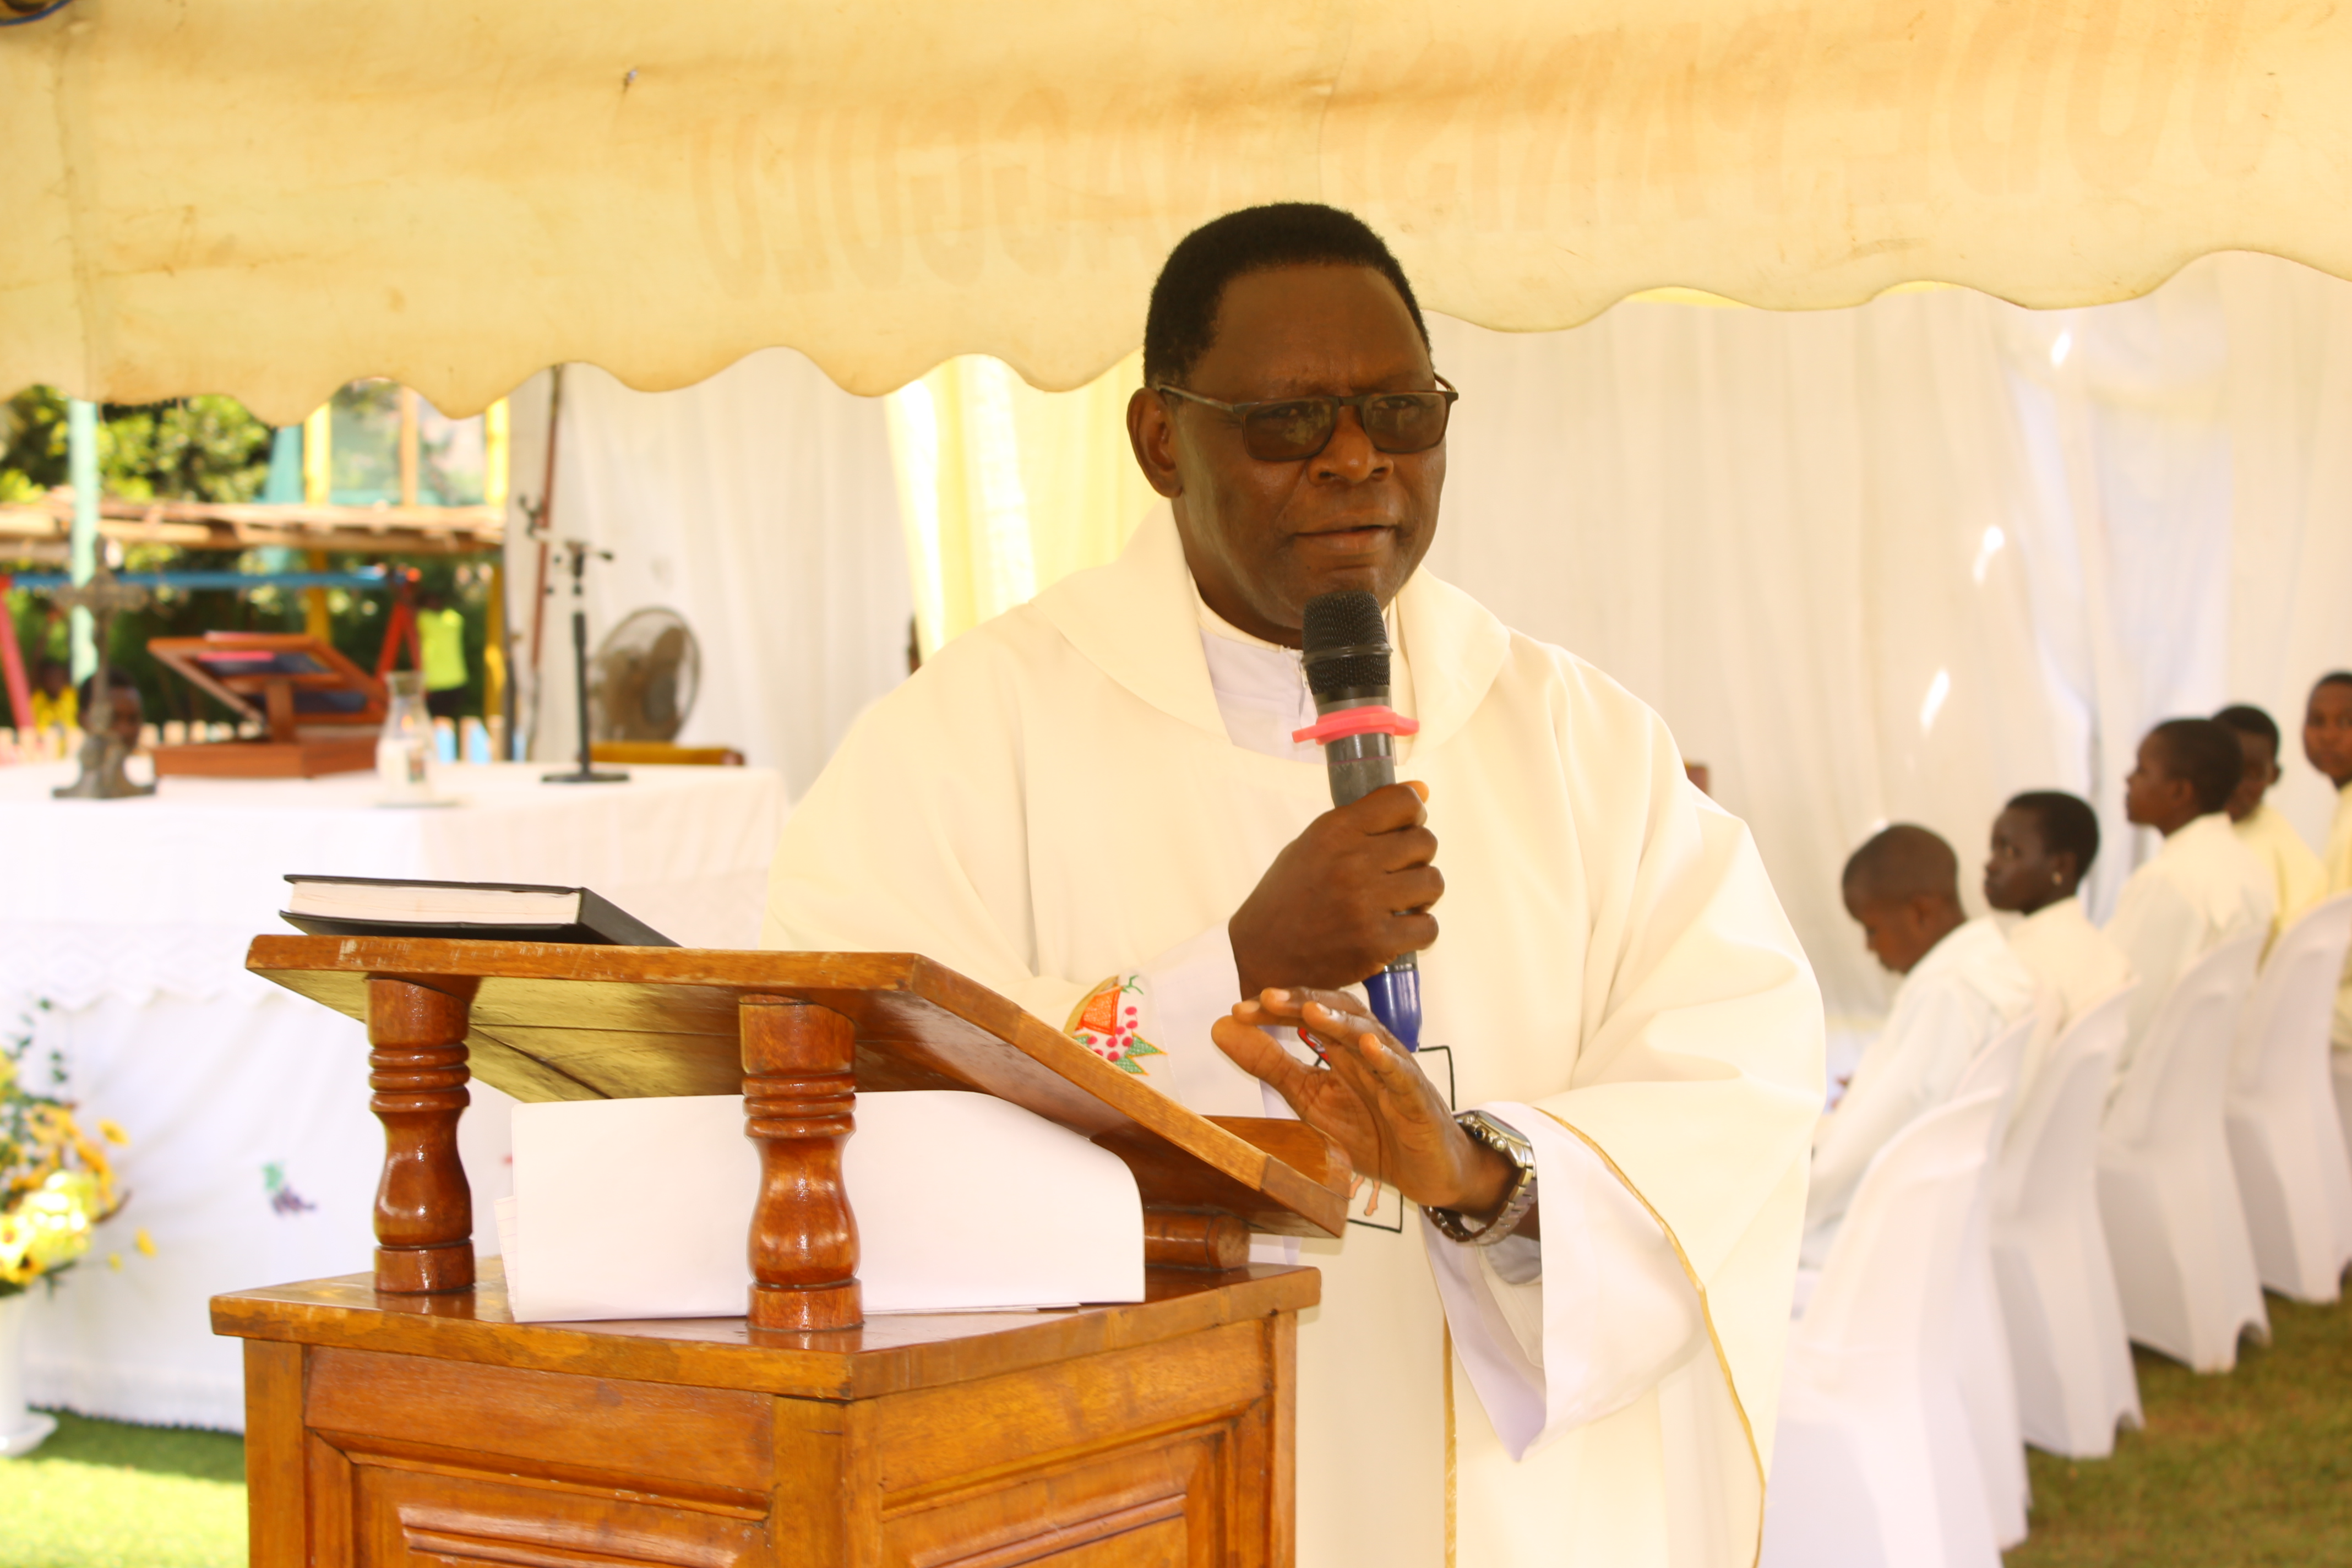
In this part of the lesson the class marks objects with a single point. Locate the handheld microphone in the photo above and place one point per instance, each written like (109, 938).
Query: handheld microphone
(1346, 644)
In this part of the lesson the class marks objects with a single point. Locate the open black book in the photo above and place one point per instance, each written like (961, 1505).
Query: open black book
(482, 912)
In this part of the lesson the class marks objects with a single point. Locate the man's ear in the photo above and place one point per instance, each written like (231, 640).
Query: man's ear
(1152, 435)
(2062, 863)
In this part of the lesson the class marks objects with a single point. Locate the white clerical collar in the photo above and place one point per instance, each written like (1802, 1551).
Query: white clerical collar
(1261, 687)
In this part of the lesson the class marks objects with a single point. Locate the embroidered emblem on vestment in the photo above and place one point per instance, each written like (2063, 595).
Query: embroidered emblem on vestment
(1106, 1020)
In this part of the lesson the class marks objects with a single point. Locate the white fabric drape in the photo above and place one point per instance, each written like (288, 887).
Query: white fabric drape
(759, 505)
(1900, 562)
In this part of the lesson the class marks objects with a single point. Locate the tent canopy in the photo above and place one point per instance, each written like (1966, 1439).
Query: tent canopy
(268, 197)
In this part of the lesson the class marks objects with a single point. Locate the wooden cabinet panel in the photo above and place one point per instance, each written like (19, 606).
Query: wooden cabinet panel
(705, 1440)
(1141, 1504)
(407, 1519)
(937, 1434)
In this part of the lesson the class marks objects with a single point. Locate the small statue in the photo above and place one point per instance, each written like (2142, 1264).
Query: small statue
(110, 724)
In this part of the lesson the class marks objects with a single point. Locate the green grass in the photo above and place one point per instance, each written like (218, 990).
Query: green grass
(99, 1494)
(2249, 1471)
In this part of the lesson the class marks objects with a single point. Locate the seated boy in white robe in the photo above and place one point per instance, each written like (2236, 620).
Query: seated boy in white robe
(2042, 845)
(2327, 746)
(2294, 870)
(2204, 887)
(1961, 987)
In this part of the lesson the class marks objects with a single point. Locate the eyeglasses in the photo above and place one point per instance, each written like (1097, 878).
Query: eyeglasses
(1298, 427)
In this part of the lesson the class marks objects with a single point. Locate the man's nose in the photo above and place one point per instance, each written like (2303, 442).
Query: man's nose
(1350, 455)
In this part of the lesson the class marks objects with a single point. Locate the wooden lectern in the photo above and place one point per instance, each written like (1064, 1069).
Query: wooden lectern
(407, 1419)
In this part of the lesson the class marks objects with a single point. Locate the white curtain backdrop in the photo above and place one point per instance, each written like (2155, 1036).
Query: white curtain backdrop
(1892, 563)
(1900, 562)
(760, 506)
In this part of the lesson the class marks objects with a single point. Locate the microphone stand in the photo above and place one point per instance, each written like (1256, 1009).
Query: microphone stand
(586, 773)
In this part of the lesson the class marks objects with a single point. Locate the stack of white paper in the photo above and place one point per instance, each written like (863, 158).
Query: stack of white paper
(639, 1208)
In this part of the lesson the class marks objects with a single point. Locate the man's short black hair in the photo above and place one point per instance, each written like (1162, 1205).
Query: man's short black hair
(2205, 754)
(1183, 320)
(2332, 677)
(2248, 720)
(2068, 825)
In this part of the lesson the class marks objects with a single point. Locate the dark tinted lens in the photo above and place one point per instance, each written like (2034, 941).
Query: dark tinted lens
(1283, 432)
(1406, 421)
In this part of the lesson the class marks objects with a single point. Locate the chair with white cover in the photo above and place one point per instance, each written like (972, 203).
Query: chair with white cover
(1980, 1340)
(1873, 1466)
(2071, 1358)
(2341, 1069)
(2287, 1139)
(2168, 1193)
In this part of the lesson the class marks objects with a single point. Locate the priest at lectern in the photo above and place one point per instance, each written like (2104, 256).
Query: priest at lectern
(1561, 1343)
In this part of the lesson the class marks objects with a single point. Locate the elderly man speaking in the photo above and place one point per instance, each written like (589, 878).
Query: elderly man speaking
(1561, 1343)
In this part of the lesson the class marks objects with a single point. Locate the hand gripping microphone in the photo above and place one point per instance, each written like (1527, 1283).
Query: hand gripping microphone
(1346, 655)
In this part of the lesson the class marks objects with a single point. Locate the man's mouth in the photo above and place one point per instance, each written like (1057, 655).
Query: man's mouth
(1362, 537)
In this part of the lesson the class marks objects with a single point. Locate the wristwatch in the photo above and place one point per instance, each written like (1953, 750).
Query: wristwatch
(1505, 1140)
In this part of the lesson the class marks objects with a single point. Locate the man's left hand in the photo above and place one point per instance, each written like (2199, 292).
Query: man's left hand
(1369, 1095)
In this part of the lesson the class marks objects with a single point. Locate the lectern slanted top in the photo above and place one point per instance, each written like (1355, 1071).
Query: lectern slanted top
(407, 1419)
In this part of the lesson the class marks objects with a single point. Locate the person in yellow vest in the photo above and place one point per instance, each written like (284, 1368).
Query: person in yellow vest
(2275, 843)
(2327, 746)
(441, 638)
(55, 704)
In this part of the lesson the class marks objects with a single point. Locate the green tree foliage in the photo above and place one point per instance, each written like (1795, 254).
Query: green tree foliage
(211, 449)
(193, 448)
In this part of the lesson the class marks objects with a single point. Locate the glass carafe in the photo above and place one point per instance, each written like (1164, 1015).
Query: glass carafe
(403, 752)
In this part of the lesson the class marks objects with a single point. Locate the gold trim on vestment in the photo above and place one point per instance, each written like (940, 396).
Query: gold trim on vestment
(1446, 1329)
(1707, 1315)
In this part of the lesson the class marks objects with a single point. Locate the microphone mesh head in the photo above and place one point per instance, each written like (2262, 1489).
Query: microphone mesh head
(1347, 645)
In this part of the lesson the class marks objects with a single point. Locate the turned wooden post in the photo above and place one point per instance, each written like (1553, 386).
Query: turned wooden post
(799, 1091)
(423, 1207)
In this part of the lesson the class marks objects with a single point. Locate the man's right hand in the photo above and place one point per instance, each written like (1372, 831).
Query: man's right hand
(1343, 898)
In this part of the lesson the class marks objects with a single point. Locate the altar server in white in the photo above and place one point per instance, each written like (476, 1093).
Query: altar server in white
(2296, 875)
(2327, 746)
(2042, 845)
(1093, 805)
(1961, 987)
(2204, 886)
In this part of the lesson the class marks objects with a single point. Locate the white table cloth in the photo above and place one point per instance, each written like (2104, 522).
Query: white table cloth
(253, 1158)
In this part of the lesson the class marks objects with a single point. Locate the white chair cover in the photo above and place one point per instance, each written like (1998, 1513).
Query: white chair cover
(1873, 1466)
(2066, 1339)
(2168, 1194)
(2340, 1065)
(2287, 1139)
(1980, 1344)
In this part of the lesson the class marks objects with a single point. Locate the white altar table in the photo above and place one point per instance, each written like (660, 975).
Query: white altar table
(253, 1157)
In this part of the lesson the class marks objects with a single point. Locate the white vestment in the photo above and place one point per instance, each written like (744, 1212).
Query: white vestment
(1059, 797)
(2337, 863)
(2078, 962)
(2296, 876)
(2203, 888)
(1955, 1002)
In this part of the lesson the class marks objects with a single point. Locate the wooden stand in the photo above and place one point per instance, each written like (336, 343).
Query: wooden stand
(300, 759)
(283, 671)
(405, 1418)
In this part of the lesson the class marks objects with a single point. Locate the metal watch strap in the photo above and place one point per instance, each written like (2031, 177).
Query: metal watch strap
(1510, 1143)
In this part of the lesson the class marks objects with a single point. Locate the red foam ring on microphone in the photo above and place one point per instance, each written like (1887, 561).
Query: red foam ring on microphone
(1368, 721)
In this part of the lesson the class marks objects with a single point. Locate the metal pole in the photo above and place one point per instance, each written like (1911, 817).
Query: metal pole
(81, 468)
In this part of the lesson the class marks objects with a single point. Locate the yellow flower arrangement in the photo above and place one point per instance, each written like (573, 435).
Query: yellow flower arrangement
(57, 1185)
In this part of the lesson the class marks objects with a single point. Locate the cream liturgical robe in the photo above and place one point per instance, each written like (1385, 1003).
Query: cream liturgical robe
(2337, 863)
(2072, 958)
(2203, 888)
(2295, 872)
(1065, 794)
